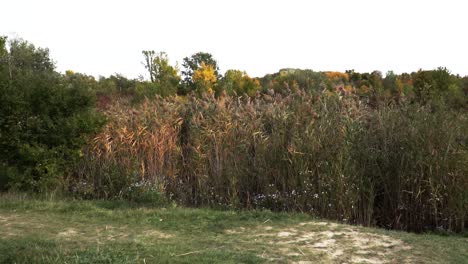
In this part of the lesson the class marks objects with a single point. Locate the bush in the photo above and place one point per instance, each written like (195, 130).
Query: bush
(145, 193)
(44, 120)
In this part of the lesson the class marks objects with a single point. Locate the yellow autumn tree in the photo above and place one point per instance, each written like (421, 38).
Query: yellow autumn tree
(205, 78)
(337, 76)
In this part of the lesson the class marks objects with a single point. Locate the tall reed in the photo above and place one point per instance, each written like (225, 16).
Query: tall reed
(401, 167)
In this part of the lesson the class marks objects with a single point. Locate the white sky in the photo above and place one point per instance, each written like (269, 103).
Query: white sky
(105, 37)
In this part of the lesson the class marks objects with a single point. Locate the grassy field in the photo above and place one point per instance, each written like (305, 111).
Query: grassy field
(67, 231)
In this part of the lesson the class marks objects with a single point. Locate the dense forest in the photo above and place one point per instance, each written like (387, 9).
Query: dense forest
(367, 148)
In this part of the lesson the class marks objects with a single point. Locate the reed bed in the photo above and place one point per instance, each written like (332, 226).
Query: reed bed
(401, 167)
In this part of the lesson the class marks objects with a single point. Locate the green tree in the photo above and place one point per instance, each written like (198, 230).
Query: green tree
(436, 85)
(191, 65)
(464, 86)
(238, 82)
(149, 62)
(389, 82)
(74, 80)
(392, 86)
(4, 62)
(164, 76)
(44, 119)
(3, 49)
(442, 79)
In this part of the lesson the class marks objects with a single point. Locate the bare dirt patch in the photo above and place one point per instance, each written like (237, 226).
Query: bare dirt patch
(285, 234)
(70, 232)
(156, 234)
(235, 231)
(337, 244)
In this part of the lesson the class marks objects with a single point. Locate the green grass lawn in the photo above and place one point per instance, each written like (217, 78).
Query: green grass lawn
(68, 231)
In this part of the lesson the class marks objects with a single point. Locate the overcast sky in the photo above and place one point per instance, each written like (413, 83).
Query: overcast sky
(101, 37)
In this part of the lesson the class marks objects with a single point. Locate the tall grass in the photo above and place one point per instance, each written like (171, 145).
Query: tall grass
(401, 167)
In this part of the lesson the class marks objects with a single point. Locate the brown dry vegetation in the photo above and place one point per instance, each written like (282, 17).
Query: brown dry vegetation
(401, 167)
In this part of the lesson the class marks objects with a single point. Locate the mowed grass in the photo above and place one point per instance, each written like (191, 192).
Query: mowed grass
(71, 231)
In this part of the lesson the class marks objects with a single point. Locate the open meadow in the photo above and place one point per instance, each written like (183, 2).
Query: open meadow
(70, 231)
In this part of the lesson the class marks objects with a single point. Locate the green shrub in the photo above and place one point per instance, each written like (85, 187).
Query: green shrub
(44, 120)
(145, 193)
